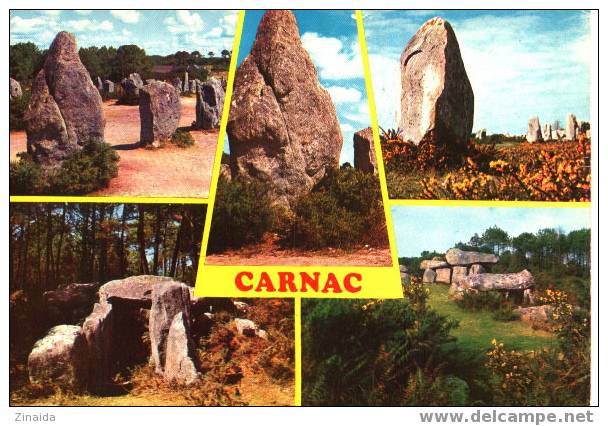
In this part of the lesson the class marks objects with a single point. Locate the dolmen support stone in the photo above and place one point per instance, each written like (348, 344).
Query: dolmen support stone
(179, 359)
(429, 276)
(437, 101)
(159, 112)
(65, 110)
(98, 332)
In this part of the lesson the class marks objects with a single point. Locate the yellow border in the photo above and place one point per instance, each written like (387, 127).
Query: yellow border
(298, 354)
(377, 282)
(488, 203)
(109, 199)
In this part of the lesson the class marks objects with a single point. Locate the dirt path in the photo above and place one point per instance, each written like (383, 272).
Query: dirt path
(165, 172)
(260, 255)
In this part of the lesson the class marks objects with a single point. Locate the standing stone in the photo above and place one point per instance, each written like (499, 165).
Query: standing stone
(177, 83)
(477, 269)
(437, 99)
(108, 86)
(14, 89)
(65, 111)
(168, 299)
(365, 152)
(534, 132)
(282, 126)
(429, 276)
(444, 275)
(459, 272)
(481, 133)
(179, 364)
(159, 112)
(192, 86)
(60, 358)
(99, 83)
(571, 127)
(456, 256)
(209, 104)
(97, 331)
(547, 132)
(130, 89)
(186, 87)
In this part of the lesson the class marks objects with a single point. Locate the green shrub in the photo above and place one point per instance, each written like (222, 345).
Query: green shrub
(182, 138)
(506, 314)
(361, 352)
(17, 108)
(242, 213)
(483, 301)
(85, 171)
(343, 210)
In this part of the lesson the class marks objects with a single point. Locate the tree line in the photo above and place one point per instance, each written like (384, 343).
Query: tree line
(52, 244)
(26, 59)
(548, 249)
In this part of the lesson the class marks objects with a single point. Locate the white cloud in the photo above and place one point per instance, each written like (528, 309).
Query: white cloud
(333, 60)
(342, 94)
(79, 25)
(358, 113)
(30, 25)
(83, 12)
(126, 16)
(52, 12)
(386, 80)
(346, 127)
(184, 22)
(228, 23)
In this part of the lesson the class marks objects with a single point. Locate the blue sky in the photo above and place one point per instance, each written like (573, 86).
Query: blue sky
(331, 39)
(419, 228)
(159, 32)
(520, 63)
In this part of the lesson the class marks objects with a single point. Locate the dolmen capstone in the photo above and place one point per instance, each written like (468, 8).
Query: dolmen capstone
(210, 97)
(457, 264)
(365, 152)
(84, 357)
(282, 127)
(65, 110)
(14, 89)
(437, 101)
(159, 113)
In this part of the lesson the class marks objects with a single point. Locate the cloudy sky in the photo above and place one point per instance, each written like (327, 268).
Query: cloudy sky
(440, 228)
(159, 32)
(331, 39)
(520, 63)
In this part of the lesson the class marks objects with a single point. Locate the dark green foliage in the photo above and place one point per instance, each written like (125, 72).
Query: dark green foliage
(129, 59)
(17, 108)
(25, 60)
(182, 138)
(359, 352)
(85, 171)
(506, 313)
(343, 210)
(242, 213)
(483, 300)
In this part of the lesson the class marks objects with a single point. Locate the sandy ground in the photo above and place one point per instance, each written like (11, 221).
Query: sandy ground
(166, 172)
(261, 256)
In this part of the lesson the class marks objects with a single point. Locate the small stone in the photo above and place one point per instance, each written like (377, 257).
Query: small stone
(429, 276)
(245, 327)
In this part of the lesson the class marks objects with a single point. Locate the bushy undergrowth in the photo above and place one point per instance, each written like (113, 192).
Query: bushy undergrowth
(242, 213)
(85, 171)
(375, 352)
(17, 108)
(342, 211)
(182, 138)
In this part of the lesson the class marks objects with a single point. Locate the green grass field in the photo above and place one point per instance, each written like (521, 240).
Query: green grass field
(477, 329)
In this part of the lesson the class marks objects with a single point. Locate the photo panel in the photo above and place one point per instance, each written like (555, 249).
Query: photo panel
(473, 107)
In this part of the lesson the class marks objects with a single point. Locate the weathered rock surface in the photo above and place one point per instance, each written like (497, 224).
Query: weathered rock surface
(282, 126)
(186, 86)
(456, 256)
(60, 358)
(210, 97)
(488, 282)
(108, 86)
(130, 89)
(459, 272)
(192, 86)
(14, 88)
(134, 291)
(159, 112)
(97, 331)
(571, 127)
(433, 264)
(65, 110)
(437, 100)
(444, 275)
(365, 153)
(179, 364)
(402, 268)
(69, 303)
(547, 132)
(177, 83)
(537, 316)
(169, 298)
(245, 327)
(99, 83)
(476, 269)
(534, 131)
(429, 276)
